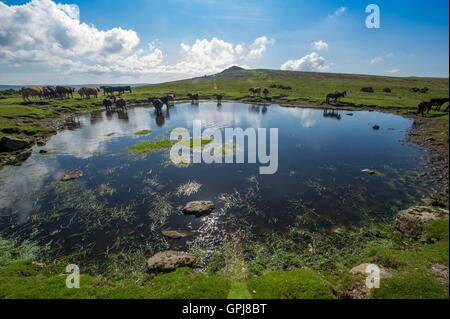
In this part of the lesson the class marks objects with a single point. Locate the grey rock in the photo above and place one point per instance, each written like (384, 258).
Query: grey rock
(361, 270)
(441, 272)
(412, 221)
(199, 208)
(170, 260)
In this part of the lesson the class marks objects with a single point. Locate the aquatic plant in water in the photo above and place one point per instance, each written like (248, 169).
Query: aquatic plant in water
(187, 189)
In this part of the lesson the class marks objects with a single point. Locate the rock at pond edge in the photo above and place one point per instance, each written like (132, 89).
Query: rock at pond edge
(412, 221)
(170, 260)
(13, 143)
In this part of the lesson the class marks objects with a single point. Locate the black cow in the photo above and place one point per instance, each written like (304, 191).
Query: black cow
(107, 104)
(112, 89)
(62, 91)
(158, 104)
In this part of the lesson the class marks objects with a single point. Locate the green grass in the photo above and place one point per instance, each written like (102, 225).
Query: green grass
(438, 230)
(239, 290)
(143, 132)
(294, 284)
(25, 280)
(149, 147)
(414, 278)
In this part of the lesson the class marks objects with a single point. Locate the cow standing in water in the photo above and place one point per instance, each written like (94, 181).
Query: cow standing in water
(219, 98)
(120, 103)
(28, 91)
(193, 97)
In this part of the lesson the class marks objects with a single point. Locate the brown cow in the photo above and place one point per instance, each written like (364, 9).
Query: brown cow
(255, 91)
(28, 91)
(88, 91)
(265, 92)
(120, 103)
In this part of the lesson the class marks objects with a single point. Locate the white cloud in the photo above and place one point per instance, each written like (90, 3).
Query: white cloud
(393, 71)
(259, 47)
(43, 32)
(338, 11)
(376, 60)
(310, 62)
(319, 45)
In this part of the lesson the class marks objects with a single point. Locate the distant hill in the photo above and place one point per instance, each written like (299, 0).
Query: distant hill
(305, 87)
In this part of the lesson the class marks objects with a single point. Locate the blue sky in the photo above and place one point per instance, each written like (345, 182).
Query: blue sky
(151, 41)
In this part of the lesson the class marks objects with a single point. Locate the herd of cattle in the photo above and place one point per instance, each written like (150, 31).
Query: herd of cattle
(62, 92)
(53, 92)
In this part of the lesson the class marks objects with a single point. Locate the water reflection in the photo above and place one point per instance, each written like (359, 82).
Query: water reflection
(332, 114)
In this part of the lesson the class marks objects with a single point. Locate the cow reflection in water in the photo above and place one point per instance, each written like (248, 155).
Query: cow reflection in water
(123, 116)
(96, 117)
(254, 108)
(332, 114)
(72, 124)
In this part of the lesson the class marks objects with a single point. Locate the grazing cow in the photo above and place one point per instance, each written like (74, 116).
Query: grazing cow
(120, 103)
(367, 89)
(88, 91)
(265, 92)
(438, 103)
(335, 96)
(112, 89)
(49, 92)
(193, 97)
(28, 91)
(63, 91)
(425, 105)
(255, 91)
(219, 98)
(107, 104)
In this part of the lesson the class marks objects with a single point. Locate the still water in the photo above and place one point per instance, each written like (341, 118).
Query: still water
(123, 200)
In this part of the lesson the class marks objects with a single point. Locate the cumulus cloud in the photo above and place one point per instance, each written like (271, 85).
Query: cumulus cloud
(393, 71)
(376, 60)
(310, 62)
(259, 47)
(319, 45)
(46, 33)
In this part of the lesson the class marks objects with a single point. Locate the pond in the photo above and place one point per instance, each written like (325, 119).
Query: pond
(124, 200)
